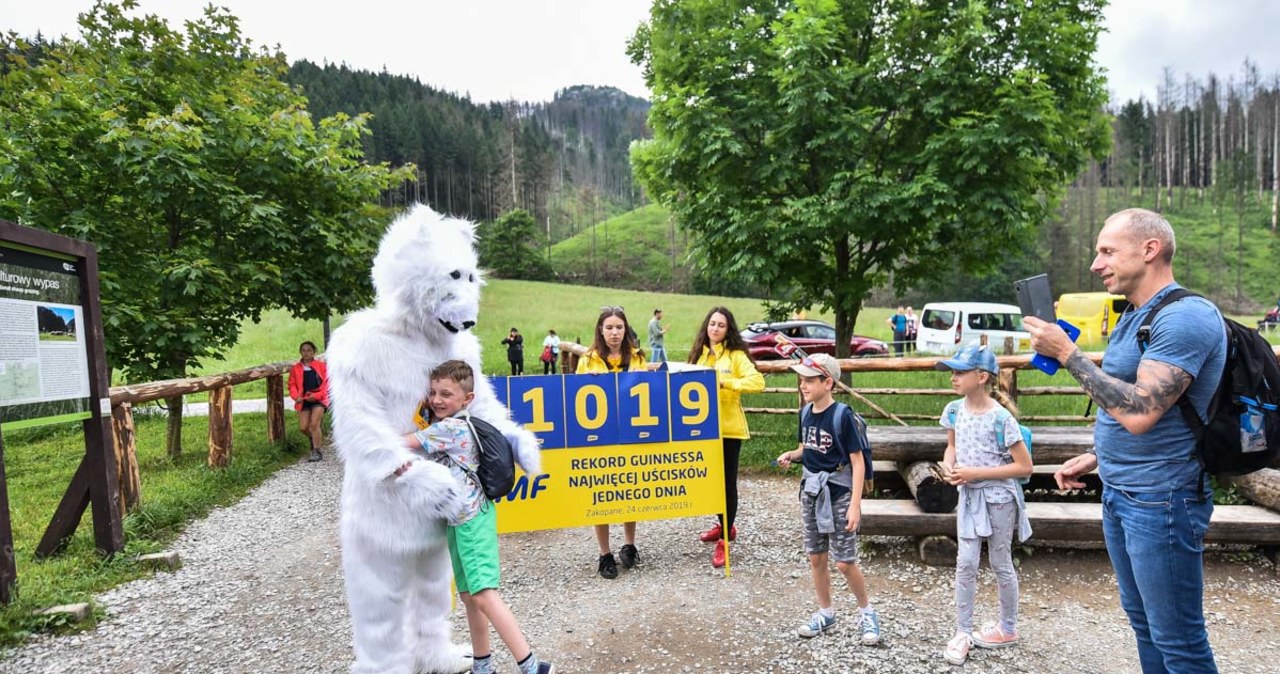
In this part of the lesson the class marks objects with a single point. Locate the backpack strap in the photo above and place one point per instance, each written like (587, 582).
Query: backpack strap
(1189, 414)
(859, 429)
(1144, 340)
(1001, 415)
(1144, 328)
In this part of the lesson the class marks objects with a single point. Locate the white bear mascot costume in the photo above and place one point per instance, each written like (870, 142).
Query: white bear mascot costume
(394, 502)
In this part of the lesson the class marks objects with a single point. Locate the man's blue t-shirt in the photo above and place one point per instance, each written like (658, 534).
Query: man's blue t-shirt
(899, 323)
(1188, 334)
(822, 453)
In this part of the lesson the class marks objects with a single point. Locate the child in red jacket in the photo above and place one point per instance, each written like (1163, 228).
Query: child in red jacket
(309, 388)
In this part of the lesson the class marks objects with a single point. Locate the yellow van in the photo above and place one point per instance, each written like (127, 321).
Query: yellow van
(1094, 313)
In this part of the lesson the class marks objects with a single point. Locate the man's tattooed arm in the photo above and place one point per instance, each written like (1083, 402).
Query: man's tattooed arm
(1137, 406)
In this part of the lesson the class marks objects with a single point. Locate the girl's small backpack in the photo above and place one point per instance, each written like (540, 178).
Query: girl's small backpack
(1000, 415)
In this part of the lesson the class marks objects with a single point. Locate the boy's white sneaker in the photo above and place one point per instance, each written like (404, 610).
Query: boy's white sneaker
(817, 624)
(870, 628)
(957, 650)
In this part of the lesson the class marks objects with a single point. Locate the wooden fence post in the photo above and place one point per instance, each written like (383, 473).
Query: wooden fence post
(126, 450)
(220, 427)
(1008, 383)
(275, 409)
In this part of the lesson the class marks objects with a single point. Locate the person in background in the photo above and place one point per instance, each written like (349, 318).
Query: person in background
(657, 351)
(309, 389)
(613, 349)
(515, 351)
(550, 347)
(913, 329)
(719, 346)
(898, 321)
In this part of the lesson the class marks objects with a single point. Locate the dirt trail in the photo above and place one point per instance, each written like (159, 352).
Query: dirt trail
(270, 599)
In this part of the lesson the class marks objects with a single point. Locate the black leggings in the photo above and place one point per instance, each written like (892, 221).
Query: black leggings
(517, 367)
(549, 367)
(732, 452)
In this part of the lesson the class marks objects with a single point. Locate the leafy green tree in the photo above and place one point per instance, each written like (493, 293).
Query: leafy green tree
(509, 247)
(818, 147)
(199, 175)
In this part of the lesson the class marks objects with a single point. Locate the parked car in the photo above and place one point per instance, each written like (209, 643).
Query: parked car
(1271, 321)
(945, 327)
(811, 336)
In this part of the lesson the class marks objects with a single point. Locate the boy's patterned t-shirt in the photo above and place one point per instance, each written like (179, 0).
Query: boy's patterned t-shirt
(448, 442)
(977, 444)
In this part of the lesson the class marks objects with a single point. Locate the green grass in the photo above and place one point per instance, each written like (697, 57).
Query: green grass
(634, 250)
(39, 464)
(275, 338)
(40, 461)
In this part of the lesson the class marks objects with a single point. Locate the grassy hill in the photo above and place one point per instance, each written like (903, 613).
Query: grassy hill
(635, 250)
(640, 249)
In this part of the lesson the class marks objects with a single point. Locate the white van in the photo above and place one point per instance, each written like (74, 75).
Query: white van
(947, 326)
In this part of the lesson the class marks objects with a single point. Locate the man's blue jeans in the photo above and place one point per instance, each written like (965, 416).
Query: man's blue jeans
(1156, 543)
(658, 354)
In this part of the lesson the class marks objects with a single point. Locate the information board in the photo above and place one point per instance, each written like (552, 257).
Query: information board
(44, 366)
(616, 448)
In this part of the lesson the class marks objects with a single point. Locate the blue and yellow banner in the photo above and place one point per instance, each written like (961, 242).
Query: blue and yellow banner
(616, 448)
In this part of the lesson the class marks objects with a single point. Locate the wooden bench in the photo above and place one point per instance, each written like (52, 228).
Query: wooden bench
(888, 477)
(1050, 444)
(1065, 522)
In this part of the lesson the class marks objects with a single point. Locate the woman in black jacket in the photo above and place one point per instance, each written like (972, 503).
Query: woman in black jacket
(515, 351)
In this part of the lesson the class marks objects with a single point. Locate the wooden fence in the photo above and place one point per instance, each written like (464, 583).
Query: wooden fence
(1007, 381)
(123, 398)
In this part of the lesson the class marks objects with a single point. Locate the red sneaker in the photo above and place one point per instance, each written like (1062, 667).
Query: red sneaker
(714, 533)
(717, 557)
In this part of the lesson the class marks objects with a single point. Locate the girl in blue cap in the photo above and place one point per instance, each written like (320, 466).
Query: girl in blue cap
(985, 457)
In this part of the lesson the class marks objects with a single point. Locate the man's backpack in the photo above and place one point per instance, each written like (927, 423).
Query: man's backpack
(497, 464)
(1001, 414)
(1243, 431)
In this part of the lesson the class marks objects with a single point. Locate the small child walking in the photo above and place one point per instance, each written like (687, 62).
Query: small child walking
(985, 457)
(836, 458)
(473, 533)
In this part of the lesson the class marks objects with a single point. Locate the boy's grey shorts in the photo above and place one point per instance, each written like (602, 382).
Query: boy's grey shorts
(842, 544)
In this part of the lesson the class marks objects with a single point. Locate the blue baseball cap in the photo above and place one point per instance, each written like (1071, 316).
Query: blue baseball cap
(973, 357)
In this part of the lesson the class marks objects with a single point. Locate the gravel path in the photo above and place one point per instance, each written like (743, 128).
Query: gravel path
(261, 591)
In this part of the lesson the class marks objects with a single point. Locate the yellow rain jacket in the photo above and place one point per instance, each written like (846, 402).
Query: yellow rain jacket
(592, 363)
(736, 375)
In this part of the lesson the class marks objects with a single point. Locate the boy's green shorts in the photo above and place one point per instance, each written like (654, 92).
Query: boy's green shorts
(473, 549)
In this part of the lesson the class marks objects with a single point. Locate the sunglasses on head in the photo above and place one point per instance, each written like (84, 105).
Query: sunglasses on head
(611, 308)
(808, 361)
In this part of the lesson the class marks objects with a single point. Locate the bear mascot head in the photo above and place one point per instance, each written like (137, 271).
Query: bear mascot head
(394, 502)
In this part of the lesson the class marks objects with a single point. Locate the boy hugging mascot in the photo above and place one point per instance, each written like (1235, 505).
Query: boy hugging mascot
(394, 501)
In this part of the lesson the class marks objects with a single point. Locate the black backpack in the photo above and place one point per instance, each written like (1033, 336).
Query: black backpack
(1243, 432)
(497, 469)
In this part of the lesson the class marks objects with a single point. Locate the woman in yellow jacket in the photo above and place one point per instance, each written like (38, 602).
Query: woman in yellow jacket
(719, 345)
(613, 350)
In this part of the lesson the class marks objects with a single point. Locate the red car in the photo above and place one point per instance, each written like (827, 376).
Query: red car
(811, 336)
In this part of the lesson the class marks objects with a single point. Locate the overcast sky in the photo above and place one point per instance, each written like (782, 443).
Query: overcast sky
(527, 49)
